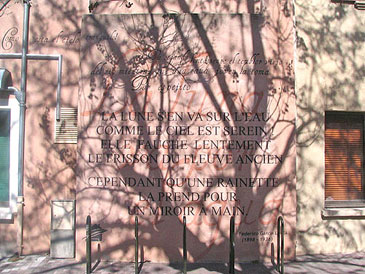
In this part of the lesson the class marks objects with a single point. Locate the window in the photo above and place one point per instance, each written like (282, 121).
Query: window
(4, 156)
(344, 159)
(9, 142)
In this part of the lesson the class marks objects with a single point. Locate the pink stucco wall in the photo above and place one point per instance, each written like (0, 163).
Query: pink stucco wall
(202, 76)
(51, 169)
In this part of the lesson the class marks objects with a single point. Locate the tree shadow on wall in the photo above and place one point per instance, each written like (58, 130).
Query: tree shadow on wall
(164, 50)
(332, 79)
(154, 55)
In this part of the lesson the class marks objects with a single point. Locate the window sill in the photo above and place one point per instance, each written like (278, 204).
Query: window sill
(6, 213)
(343, 213)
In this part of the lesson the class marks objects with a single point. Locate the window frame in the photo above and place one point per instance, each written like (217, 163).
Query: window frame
(346, 204)
(11, 103)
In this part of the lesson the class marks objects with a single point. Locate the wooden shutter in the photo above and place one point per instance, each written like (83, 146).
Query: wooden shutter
(343, 156)
(4, 155)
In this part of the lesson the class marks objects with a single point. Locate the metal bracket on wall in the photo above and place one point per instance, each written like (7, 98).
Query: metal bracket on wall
(56, 57)
(359, 5)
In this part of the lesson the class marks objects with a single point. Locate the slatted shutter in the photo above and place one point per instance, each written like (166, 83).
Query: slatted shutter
(66, 127)
(344, 156)
(4, 156)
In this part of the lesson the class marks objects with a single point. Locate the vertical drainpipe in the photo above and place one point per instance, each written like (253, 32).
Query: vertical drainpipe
(22, 100)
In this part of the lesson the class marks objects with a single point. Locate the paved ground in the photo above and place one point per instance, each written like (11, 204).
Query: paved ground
(336, 264)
